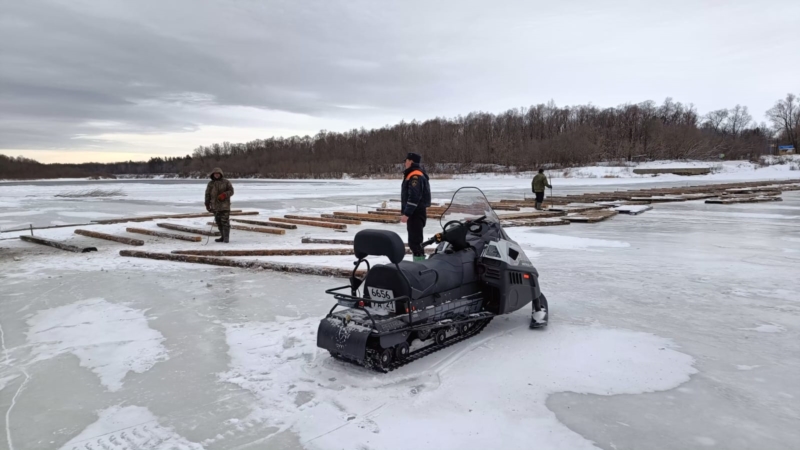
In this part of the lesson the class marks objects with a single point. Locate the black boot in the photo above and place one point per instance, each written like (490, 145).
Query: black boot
(226, 235)
(221, 234)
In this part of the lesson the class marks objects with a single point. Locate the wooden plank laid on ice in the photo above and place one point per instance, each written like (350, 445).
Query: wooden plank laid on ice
(57, 244)
(324, 219)
(172, 226)
(180, 237)
(235, 212)
(591, 216)
(110, 237)
(306, 240)
(264, 230)
(279, 267)
(285, 226)
(371, 218)
(310, 223)
(269, 252)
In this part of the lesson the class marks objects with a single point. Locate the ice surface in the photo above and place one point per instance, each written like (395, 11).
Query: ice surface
(111, 340)
(674, 329)
(533, 238)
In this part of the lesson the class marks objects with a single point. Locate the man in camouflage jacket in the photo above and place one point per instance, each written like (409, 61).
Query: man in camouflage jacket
(218, 201)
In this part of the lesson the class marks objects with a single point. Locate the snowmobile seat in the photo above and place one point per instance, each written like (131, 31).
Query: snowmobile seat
(449, 268)
(379, 243)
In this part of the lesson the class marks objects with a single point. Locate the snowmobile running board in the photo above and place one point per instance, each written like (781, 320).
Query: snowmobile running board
(481, 319)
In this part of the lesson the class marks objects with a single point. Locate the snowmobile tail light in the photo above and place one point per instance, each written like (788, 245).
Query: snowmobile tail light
(527, 276)
(361, 304)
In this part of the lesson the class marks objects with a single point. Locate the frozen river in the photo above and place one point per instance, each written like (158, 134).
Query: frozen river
(678, 328)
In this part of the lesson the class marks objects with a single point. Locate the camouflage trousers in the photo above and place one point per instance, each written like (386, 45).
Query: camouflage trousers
(223, 220)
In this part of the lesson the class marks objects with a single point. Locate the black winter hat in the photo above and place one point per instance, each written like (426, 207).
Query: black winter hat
(414, 157)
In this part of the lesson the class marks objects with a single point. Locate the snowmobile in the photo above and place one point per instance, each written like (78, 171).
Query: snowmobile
(411, 309)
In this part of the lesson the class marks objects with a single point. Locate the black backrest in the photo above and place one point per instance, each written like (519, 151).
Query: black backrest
(379, 243)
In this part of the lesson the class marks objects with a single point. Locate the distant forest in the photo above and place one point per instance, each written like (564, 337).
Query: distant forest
(518, 139)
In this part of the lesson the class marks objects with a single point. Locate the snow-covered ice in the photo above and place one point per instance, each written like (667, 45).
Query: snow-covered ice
(678, 328)
(110, 339)
(128, 427)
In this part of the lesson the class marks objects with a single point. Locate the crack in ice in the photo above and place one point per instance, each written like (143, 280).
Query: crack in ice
(13, 403)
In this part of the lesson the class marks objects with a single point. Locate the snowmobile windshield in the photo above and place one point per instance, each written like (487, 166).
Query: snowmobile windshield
(468, 203)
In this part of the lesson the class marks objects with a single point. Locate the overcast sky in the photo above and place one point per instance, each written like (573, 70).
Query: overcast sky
(107, 80)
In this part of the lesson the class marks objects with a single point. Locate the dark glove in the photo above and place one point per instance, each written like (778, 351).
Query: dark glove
(208, 207)
(222, 196)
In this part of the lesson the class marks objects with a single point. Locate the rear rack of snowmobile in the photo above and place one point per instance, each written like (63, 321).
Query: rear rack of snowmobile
(350, 301)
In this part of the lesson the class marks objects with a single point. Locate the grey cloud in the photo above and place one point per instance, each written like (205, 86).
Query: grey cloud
(155, 66)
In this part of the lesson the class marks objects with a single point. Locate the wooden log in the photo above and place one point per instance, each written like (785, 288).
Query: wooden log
(633, 210)
(729, 201)
(235, 212)
(577, 208)
(306, 240)
(659, 199)
(278, 267)
(374, 218)
(547, 222)
(349, 242)
(57, 244)
(498, 207)
(264, 230)
(110, 237)
(269, 252)
(181, 237)
(365, 215)
(172, 226)
(591, 216)
(532, 215)
(311, 223)
(285, 226)
(324, 219)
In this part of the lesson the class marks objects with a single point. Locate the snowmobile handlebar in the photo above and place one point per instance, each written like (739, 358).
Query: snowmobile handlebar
(437, 238)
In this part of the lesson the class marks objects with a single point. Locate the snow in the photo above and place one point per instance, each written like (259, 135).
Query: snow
(279, 363)
(111, 340)
(678, 328)
(767, 328)
(4, 381)
(133, 426)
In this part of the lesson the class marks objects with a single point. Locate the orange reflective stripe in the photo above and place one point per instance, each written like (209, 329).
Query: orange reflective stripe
(414, 173)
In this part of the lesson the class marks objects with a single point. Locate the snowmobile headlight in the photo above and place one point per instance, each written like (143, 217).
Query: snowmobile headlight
(492, 252)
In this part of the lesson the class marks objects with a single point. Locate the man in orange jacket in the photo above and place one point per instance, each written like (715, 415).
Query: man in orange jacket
(415, 198)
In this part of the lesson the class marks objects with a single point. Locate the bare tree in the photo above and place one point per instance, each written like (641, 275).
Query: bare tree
(716, 119)
(785, 118)
(738, 120)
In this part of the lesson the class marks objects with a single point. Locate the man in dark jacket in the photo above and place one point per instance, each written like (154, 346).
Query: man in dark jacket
(538, 185)
(218, 201)
(415, 197)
